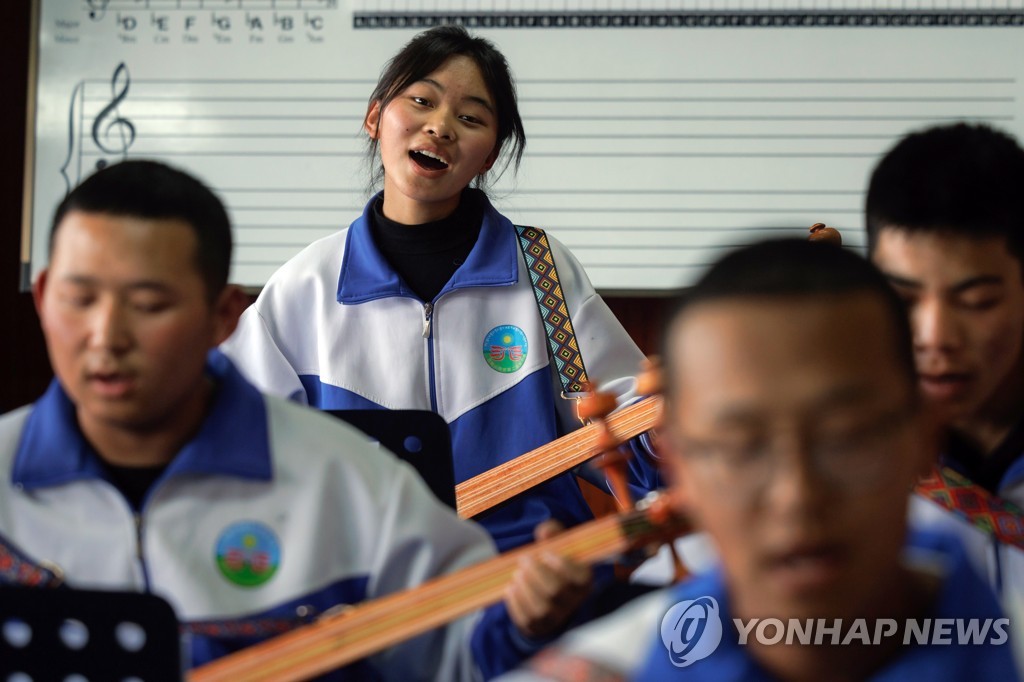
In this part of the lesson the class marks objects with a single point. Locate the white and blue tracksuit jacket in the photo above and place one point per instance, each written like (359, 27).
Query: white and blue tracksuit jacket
(337, 328)
(272, 514)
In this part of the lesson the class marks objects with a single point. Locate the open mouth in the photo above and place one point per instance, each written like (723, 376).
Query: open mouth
(428, 160)
(946, 385)
(808, 568)
(111, 384)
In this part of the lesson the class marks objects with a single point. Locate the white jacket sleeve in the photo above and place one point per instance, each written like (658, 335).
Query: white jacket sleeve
(420, 539)
(255, 352)
(611, 358)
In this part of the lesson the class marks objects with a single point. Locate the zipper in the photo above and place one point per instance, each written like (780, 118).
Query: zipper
(139, 554)
(428, 334)
(428, 314)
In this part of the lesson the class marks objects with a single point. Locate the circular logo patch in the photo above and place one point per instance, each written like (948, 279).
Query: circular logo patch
(248, 553)
(505, 348)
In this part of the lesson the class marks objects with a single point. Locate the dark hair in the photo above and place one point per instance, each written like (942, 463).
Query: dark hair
(153, 190)
(959, 179)
(426, 53)
(792, 268)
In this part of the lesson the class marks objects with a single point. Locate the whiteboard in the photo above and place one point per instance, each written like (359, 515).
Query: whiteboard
(659, 133)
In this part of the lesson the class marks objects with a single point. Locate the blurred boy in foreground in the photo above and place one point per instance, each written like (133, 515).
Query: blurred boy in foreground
(794, 431)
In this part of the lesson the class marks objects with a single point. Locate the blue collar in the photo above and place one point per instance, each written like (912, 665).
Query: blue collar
(233, 440)
(366, 275)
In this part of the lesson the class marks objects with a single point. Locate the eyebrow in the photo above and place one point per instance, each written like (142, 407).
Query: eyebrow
(471, 98)
(832, 398)
(142, 284)
(963, 285)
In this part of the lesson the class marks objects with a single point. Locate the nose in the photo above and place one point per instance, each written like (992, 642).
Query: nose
(109, 328)
(935, 327)
(796, 486)
(439, 124)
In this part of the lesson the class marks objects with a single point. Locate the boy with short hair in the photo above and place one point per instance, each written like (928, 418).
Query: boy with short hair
(150, 464)
(793, 430)
(945, 221)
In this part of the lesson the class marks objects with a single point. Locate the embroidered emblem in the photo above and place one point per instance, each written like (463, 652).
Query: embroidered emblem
(248, 553)
(505, 348)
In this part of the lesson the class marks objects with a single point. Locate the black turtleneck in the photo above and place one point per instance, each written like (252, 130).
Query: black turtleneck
(134, 482)
(426, 256)
(987, 470)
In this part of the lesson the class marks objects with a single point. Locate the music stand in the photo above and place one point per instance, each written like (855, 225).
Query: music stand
(57, 634)
(420, 437)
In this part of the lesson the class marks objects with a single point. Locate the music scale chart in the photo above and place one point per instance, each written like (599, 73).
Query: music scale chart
(650, 149)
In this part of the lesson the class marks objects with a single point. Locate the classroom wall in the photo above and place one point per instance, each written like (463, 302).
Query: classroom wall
(25, 369)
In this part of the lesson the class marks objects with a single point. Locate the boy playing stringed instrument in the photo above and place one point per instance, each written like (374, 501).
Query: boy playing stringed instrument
(151, 464)
(793, 432)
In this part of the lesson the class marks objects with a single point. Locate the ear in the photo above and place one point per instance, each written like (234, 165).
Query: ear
(489, 161)
(371, 123)
(38, 289)
(228, 307)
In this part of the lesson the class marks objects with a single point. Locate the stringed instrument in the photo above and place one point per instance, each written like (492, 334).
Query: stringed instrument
(484, 491)
(369, 627)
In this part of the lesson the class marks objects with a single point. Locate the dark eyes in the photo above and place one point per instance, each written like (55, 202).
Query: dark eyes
(78, 300)
(150, 306)
(980, 304)
(425, 102)
(973, 303)
(142, 305)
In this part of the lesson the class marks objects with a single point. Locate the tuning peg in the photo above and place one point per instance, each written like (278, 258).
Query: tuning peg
(820, 232)
(649, 380)
(595, 406)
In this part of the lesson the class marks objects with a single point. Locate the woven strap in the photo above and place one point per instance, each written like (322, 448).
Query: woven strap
(546, 287)
(956, 493)
(15, 569)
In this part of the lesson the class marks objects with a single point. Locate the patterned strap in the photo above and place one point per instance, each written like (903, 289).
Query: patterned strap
(15, 569)
(956, 493)
(551, 302)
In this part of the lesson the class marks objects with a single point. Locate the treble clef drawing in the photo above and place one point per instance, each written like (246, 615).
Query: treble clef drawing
(111, 132)
(97, 9)
(74, 139)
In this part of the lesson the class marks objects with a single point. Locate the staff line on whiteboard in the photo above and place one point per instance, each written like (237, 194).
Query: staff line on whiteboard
(595, 155)
(919, 117)
(536, 136)
(717, 229)
(586, 209)
(523, 191)
(673, 228)
(610, 100)
(594, 81)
